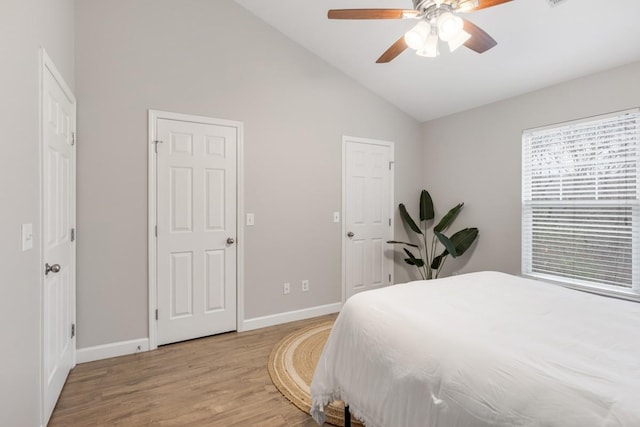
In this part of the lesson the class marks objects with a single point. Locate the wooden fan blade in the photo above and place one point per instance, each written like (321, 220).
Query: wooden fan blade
(371, 13)
(396, 49)
(482, 4)
(480, 41)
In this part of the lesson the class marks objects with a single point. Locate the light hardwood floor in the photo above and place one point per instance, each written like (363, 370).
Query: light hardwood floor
(214, 381)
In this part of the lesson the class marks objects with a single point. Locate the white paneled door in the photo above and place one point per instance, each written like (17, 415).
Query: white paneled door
(368, 214)
(196, 229)
(58, 219)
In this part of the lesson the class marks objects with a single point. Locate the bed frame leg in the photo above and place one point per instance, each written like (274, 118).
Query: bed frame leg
(347, 416)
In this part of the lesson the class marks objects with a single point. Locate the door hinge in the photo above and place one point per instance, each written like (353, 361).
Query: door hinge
(73, 234)
(389, 277)
(73, 330)
(73, 138)
(156, 142)
(156, 231)
(390, 163)
(156, 314)
(389, 222)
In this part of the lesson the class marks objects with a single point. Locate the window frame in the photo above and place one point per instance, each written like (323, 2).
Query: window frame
(632, 293)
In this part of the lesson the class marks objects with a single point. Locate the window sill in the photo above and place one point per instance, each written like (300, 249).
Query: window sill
(604, 290)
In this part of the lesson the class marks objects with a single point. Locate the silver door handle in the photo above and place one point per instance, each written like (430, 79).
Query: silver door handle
(230, 241)
(51, 268)
(350, 234)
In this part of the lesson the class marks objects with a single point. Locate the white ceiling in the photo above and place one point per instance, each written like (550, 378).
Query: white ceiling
(538, 46)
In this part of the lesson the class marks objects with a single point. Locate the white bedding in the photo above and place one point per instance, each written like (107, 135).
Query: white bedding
(483, 349)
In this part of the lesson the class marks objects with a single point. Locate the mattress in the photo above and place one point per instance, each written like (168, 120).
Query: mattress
(483, 349)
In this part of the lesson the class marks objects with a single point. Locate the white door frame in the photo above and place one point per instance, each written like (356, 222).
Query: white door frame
(47, 66)
(154, 115)
(391, 146)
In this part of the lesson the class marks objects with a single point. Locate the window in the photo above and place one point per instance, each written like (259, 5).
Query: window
(581, 202)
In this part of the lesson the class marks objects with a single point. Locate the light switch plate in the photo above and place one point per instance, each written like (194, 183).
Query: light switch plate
(250, 219)
(336, 217)
(27, 237)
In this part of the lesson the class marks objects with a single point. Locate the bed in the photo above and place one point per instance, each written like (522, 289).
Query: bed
(483, 349)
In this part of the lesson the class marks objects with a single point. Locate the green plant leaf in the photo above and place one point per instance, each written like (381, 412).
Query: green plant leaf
(409, 254)
(414, 261)
(435, 264)
(401, 243)
(446, 220)
(447, 243)
(426, 206)
(417, 262)
(407, 219)
(463, 240)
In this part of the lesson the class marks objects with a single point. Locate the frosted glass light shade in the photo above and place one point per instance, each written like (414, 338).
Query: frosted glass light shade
(430, 47)
(417, 36)
(449, 26)
(458, 40)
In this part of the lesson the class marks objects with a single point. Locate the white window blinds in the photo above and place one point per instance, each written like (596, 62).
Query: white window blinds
(581, 201)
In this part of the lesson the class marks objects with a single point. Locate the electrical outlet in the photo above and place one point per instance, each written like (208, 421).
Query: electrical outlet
(305, 285)
(286, 288)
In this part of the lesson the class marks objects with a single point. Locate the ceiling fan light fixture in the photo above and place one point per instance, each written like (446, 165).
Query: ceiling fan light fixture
(436, 20)
(430, 47)
(458, 40)
(449, 26)
(417, 36)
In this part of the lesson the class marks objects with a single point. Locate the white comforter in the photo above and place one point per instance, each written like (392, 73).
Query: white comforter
(483, 349)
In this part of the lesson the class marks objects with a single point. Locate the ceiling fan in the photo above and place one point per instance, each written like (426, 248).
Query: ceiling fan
(438, 20)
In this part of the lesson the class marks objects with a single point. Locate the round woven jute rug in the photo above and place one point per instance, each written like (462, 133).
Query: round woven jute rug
(292, 363)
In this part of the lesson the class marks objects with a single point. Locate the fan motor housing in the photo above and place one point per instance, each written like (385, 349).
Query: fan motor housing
(423, 5)
(429, 9)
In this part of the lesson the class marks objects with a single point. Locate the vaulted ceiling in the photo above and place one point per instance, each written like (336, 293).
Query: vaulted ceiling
(538, 45)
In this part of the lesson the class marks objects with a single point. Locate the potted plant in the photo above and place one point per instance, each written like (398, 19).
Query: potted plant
(429, 264)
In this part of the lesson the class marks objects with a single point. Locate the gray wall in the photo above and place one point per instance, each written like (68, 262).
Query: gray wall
(25, 25)
(213, 58)
(475, 157)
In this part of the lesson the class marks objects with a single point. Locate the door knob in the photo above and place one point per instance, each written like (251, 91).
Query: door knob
(350, 234)
(230, 241)
(51, 268)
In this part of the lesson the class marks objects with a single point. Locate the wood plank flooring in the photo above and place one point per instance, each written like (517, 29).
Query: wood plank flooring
(214, 381)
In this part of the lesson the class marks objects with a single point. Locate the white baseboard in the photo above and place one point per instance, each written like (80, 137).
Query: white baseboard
(289, 316)
(122, 348)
